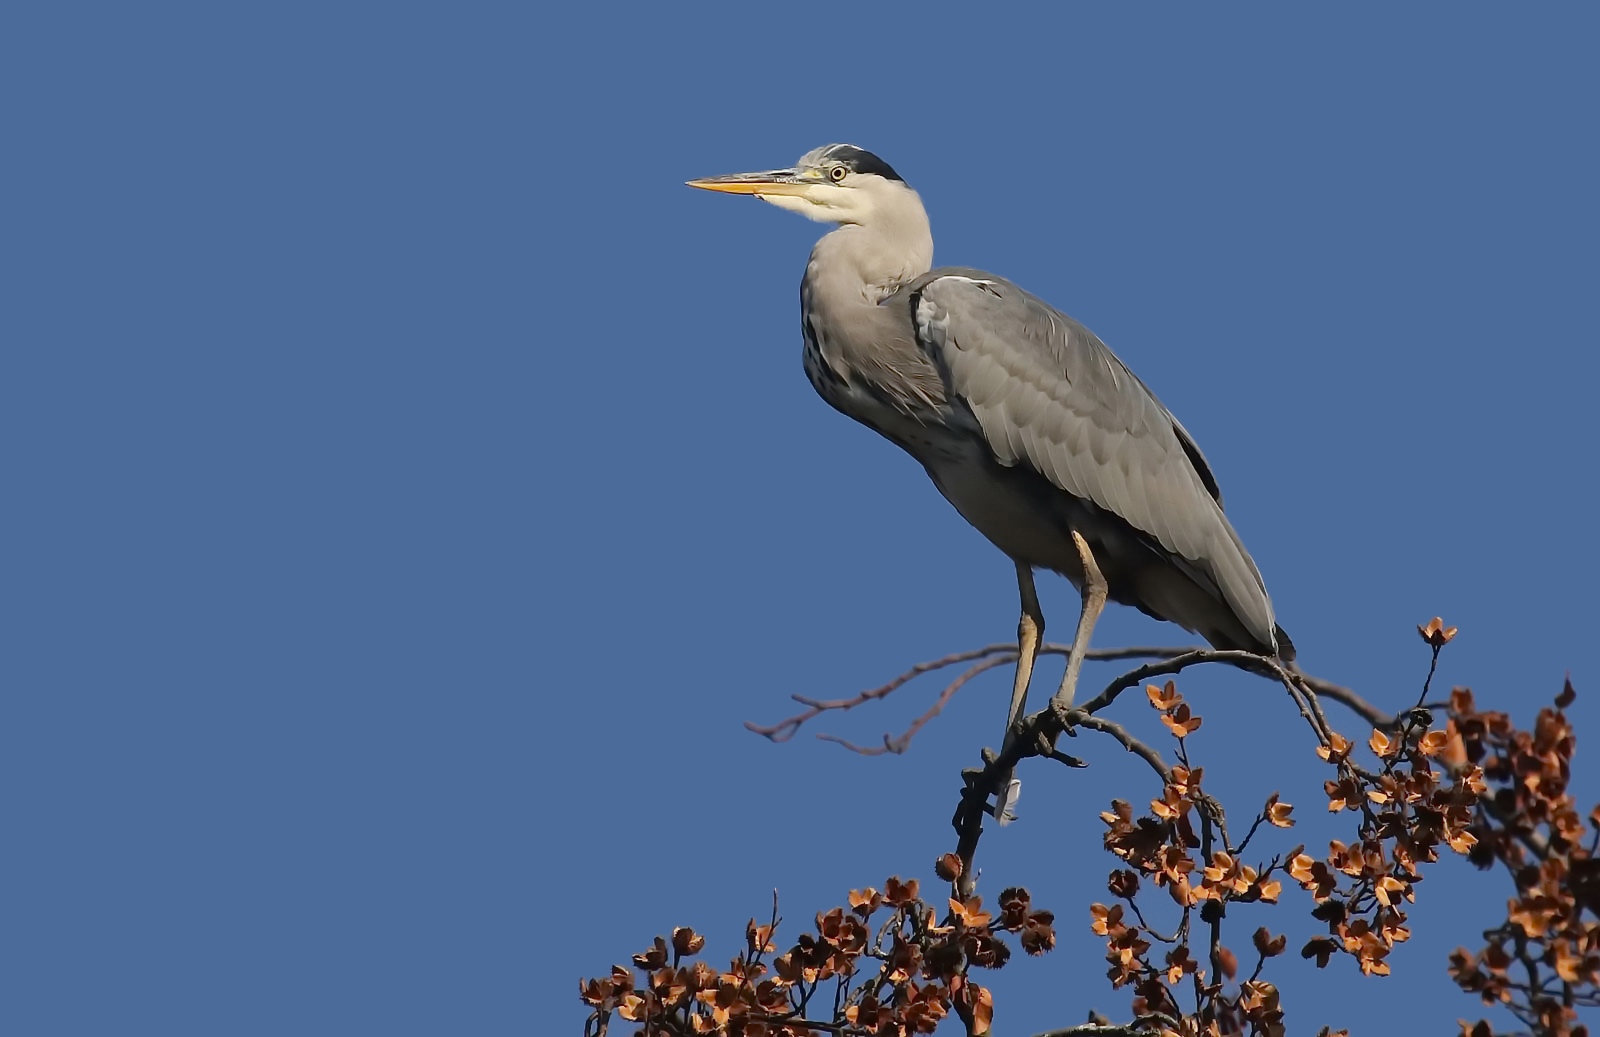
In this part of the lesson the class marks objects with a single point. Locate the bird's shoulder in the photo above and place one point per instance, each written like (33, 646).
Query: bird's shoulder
(1029, 370)
(965, 309)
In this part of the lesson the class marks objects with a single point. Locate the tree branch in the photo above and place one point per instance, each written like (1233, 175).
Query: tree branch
(897, 745)
(1347, 698)
(1002, 653)
(1302, 687)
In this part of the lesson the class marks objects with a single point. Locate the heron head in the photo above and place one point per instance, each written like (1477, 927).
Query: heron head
(837, 183)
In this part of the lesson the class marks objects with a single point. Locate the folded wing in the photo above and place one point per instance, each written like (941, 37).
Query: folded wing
(1049, 395)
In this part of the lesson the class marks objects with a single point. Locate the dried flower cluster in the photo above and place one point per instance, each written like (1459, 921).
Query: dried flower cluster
(1543, 963)
(1160, 847)
(1407, 809)
(902, 978)
(889, 964)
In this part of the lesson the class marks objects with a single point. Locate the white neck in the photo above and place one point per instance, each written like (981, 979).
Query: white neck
(890, 245)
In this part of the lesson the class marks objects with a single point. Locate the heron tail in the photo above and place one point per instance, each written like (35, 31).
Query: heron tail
(1285, 646)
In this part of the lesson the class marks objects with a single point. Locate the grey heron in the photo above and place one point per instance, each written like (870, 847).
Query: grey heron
(1027, 423)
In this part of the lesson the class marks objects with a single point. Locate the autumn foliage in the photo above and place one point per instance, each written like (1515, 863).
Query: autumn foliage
(887, 965)
(1439, 778)
(1544, 961)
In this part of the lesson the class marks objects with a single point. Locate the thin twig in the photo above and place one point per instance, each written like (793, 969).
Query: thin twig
(1235, 851)
(1216, 916)
(1147, 927)
(815, 1024)
(1346, 698)
(1078, 718)
(1170, 665)
(897, 745)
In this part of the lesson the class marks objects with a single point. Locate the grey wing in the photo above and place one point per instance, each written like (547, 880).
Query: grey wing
(1048, 394)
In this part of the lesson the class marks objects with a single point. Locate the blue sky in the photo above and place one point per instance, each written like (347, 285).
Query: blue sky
(413, 487)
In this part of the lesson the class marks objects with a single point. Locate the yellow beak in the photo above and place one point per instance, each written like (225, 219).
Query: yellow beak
(772, 181)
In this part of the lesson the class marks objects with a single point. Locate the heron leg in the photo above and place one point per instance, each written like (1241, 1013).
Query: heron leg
(1030, 631)
(1094, 602)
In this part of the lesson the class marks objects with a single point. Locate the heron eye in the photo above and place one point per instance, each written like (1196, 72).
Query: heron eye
(837, 173)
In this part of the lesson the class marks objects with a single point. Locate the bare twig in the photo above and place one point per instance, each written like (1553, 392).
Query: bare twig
(1003, 653)
(1171, 664)
(1215, 919)
(1346, 698)
(844, 1029)
(898, 744)
(1078, 718)
(1236, 851)
(1303, 688)
(1167, 661)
